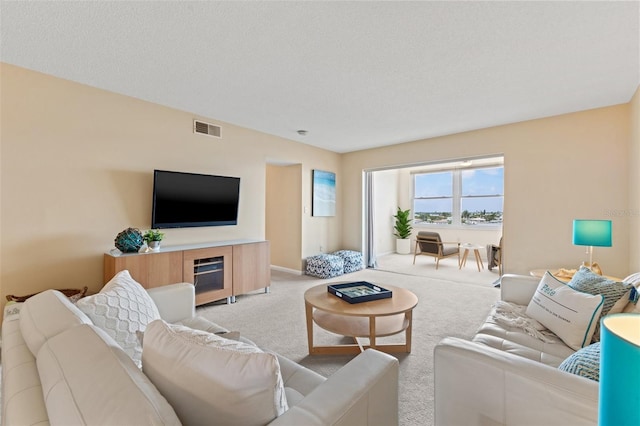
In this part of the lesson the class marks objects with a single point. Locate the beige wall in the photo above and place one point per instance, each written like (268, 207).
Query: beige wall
(633, 212)
(284, 215)
(76, 169)
(556, 169)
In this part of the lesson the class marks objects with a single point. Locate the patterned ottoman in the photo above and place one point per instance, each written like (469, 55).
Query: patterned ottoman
(325, 266)
(352, 260)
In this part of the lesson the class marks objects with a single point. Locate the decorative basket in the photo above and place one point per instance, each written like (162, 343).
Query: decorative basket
(129, 241)
(74, 294)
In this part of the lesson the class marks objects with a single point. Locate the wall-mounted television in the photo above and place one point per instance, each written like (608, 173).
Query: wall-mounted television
(183, 200)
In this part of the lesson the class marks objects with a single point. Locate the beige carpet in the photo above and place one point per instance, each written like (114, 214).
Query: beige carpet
(446, 308)
(448, 269)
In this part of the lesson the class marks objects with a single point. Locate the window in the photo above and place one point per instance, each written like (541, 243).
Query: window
(459, 196)
(433, 200)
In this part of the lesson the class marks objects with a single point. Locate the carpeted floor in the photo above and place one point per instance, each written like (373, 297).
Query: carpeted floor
(447, 307)
(448, 268)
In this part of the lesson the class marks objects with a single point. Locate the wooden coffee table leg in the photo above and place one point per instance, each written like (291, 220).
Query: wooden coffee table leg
(309, 315)
(407, 333)
(372, 332)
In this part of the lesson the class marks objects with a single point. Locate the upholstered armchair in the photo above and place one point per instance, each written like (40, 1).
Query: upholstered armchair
(430, 244)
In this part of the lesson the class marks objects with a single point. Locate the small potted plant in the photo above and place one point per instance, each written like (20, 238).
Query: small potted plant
(402, 230)
(153, 237)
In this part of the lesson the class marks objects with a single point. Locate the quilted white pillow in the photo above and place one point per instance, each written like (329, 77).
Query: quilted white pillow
(122, 308)
(209, 379)
(570, 314)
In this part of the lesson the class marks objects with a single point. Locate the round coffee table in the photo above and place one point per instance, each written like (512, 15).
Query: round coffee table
(377, 318)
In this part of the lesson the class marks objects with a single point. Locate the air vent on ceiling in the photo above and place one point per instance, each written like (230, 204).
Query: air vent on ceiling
(206, 129)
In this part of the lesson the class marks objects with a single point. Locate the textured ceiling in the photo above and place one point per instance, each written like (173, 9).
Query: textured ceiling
(354, 74)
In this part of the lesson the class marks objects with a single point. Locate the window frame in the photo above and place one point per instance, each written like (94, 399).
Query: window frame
(456, 197)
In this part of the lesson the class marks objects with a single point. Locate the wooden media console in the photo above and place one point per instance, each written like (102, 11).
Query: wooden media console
(218, 270)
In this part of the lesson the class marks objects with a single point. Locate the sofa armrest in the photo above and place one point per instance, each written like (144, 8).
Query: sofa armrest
(518, 289)
(479, 385)
(175, 302)
(363, 392)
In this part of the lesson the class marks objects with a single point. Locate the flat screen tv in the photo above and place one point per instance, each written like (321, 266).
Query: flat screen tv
(183, 200)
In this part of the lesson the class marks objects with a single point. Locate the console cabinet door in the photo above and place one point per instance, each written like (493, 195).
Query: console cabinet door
(149, 269)
(210, 270)
(251, 267)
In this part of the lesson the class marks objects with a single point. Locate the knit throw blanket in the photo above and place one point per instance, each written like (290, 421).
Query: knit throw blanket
(512, 315)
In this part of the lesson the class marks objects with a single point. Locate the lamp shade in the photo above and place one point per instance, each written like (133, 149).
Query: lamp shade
(592, 233)
(619, 401)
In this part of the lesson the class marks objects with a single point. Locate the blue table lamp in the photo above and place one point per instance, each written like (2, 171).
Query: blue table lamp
(619, 401)
(592, 233)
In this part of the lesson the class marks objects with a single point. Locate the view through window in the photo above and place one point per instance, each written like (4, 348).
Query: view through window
(462, 196)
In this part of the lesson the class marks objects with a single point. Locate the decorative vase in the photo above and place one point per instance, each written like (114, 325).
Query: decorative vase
(154, 245)
(403, 246)
(129, 241)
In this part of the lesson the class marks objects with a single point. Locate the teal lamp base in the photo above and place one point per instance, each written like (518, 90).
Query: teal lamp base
(619, 400)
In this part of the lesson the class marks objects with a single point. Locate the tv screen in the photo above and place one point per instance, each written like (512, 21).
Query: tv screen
(183, 200)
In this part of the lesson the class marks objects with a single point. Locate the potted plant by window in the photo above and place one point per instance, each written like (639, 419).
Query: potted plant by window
(402, 230)
(153, 237)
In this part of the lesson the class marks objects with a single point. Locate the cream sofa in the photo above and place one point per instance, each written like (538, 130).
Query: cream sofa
(506, 377)
(79, 374)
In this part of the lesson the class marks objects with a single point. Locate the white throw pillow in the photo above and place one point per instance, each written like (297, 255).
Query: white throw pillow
(570, 314)
(122, 308)
(209, 379)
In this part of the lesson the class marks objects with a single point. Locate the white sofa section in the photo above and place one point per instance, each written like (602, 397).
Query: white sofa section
(506, 377)
(79, 374)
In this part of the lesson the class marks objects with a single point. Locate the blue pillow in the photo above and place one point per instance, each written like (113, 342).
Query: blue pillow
(587, 281)
(585, 362)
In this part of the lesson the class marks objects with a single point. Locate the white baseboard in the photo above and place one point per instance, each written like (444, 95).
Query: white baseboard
(288, 270)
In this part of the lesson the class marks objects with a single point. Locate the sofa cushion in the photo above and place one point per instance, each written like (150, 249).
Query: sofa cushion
(208, 378)
(570, 314)
(203, 324)
(122, 308)
(88, 379)
(48, 314)
(616, 294)
(551, 351)
(522, 350)
(585, 362)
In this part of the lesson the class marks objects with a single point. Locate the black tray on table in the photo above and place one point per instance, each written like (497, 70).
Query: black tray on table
(359, 291)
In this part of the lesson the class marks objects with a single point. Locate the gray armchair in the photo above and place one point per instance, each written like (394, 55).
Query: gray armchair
(430, 244)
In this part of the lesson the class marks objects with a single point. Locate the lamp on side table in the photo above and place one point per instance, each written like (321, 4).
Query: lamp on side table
(592, 233)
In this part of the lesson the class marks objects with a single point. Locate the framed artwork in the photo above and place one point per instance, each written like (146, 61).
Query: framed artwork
(324, 193)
